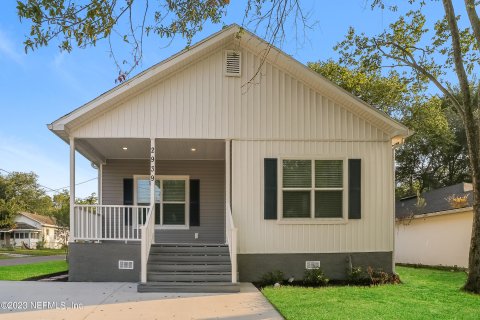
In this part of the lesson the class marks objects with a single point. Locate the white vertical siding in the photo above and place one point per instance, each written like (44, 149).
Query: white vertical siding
(200, 102)
(273, 115)
(373, 232)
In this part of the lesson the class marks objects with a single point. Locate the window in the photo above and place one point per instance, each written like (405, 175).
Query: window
(171, 198)
(312, 188)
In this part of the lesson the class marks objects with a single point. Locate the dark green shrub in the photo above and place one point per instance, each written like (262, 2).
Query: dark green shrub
(355, 275)
(272, 277)
(315, 278)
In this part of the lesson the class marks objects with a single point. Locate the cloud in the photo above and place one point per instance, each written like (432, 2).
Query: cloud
(8, 50)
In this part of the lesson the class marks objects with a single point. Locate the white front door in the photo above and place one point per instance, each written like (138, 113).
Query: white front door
(171, 200)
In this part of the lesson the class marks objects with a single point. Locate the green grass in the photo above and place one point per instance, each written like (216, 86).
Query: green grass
(36, 252)
(25, 271)
(424, 294)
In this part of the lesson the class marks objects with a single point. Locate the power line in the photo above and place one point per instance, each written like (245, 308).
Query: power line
(58, 189)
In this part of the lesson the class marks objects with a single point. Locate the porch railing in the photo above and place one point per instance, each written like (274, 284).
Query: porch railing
(231, 238)
(148, 237)
(108, 222)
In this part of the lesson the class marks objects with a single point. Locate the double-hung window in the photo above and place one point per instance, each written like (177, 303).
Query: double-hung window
(312, 188)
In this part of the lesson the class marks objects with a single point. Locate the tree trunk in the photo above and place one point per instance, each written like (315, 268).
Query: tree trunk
(471, 128)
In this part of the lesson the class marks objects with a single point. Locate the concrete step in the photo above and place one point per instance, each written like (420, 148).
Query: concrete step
(203, 287)
(189, 276)
(165, 266)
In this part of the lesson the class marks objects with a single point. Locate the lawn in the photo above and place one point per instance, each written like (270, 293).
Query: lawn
(25, 271)
(36, 252)
(424, 294)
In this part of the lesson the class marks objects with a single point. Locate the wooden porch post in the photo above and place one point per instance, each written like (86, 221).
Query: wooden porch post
(100, 184)
(152, 172)
(72, 188)
(228, 173)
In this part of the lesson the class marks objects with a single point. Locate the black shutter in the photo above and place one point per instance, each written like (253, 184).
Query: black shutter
(270, 189)
(128, 199)
(354, 189)
(195, 203)
(128, 192)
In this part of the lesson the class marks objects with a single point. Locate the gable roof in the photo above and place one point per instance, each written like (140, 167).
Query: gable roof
(435, 201)
(20, 226)
(43, 220)
(111, 98)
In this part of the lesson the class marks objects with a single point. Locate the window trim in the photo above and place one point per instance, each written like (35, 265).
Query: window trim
(312, 219)
(161, 178)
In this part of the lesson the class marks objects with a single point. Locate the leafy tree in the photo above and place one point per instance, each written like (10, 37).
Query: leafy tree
(392, 93)
(85, 23)
(433, 157)
(21, 191)
(431, 51)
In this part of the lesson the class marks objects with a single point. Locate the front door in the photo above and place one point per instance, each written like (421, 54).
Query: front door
(171, 200)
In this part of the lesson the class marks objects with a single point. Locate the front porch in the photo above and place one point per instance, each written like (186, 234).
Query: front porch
(152, 191)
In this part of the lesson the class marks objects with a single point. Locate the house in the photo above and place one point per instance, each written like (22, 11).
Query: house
(435, 230)
(211, 172)
(32, 229)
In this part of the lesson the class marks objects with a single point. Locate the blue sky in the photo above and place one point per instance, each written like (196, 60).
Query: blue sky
(39, 87)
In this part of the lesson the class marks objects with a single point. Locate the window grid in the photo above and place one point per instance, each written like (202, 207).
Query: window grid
(313, 187)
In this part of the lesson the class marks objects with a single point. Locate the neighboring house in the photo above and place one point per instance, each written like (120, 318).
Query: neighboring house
(435, 229)
(30, 229)
(279, 171)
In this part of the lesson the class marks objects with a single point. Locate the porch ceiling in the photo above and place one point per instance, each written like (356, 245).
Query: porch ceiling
(166, 149)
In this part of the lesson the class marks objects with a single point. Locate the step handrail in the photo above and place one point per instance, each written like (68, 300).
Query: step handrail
(147, 238)
(231, 239)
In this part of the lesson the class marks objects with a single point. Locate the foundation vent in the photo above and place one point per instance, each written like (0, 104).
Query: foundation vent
(312, 264)
(125, 265)
(233, 63)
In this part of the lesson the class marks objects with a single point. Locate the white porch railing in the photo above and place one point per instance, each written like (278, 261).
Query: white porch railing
(108, 222)
(231, 238)
(148, 237)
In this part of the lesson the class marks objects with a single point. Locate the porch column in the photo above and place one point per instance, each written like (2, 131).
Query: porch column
(100, 184)
(228, 173)
(72, 188)
(152, 172)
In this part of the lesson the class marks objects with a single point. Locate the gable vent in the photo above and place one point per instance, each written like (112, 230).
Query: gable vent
(233, 63)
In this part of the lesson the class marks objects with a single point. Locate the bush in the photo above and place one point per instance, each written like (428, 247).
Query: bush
(315, 278)
(378, 276)
(272, 277)
(355, 275)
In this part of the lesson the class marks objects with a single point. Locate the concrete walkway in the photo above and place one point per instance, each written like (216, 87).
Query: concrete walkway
(81, 300)
(30, 259)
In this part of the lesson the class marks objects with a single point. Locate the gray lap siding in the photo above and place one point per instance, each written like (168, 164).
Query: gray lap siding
(211, 174)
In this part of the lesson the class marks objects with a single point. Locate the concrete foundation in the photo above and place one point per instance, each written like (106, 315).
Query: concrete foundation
(251, 267)
(99, 262)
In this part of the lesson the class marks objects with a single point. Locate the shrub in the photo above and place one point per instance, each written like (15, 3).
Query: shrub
(315, 278)
(378, 276)
(272, 277)
(355, 275)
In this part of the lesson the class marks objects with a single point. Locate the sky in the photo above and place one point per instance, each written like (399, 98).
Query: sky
(41, 86)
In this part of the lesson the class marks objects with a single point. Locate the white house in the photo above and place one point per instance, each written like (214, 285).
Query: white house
(252, 172)
(438, 232)
(30, 229)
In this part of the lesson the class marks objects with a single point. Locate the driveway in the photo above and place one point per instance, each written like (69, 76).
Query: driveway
(94, 300)
(30, 259)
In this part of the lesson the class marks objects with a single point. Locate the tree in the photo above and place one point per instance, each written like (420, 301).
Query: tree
(21, 191)
(433, 52)
(431, 158)
(85, 23)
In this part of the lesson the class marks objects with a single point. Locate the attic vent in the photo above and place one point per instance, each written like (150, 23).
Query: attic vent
(312, 264)
(233, 63)
(125, 264)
